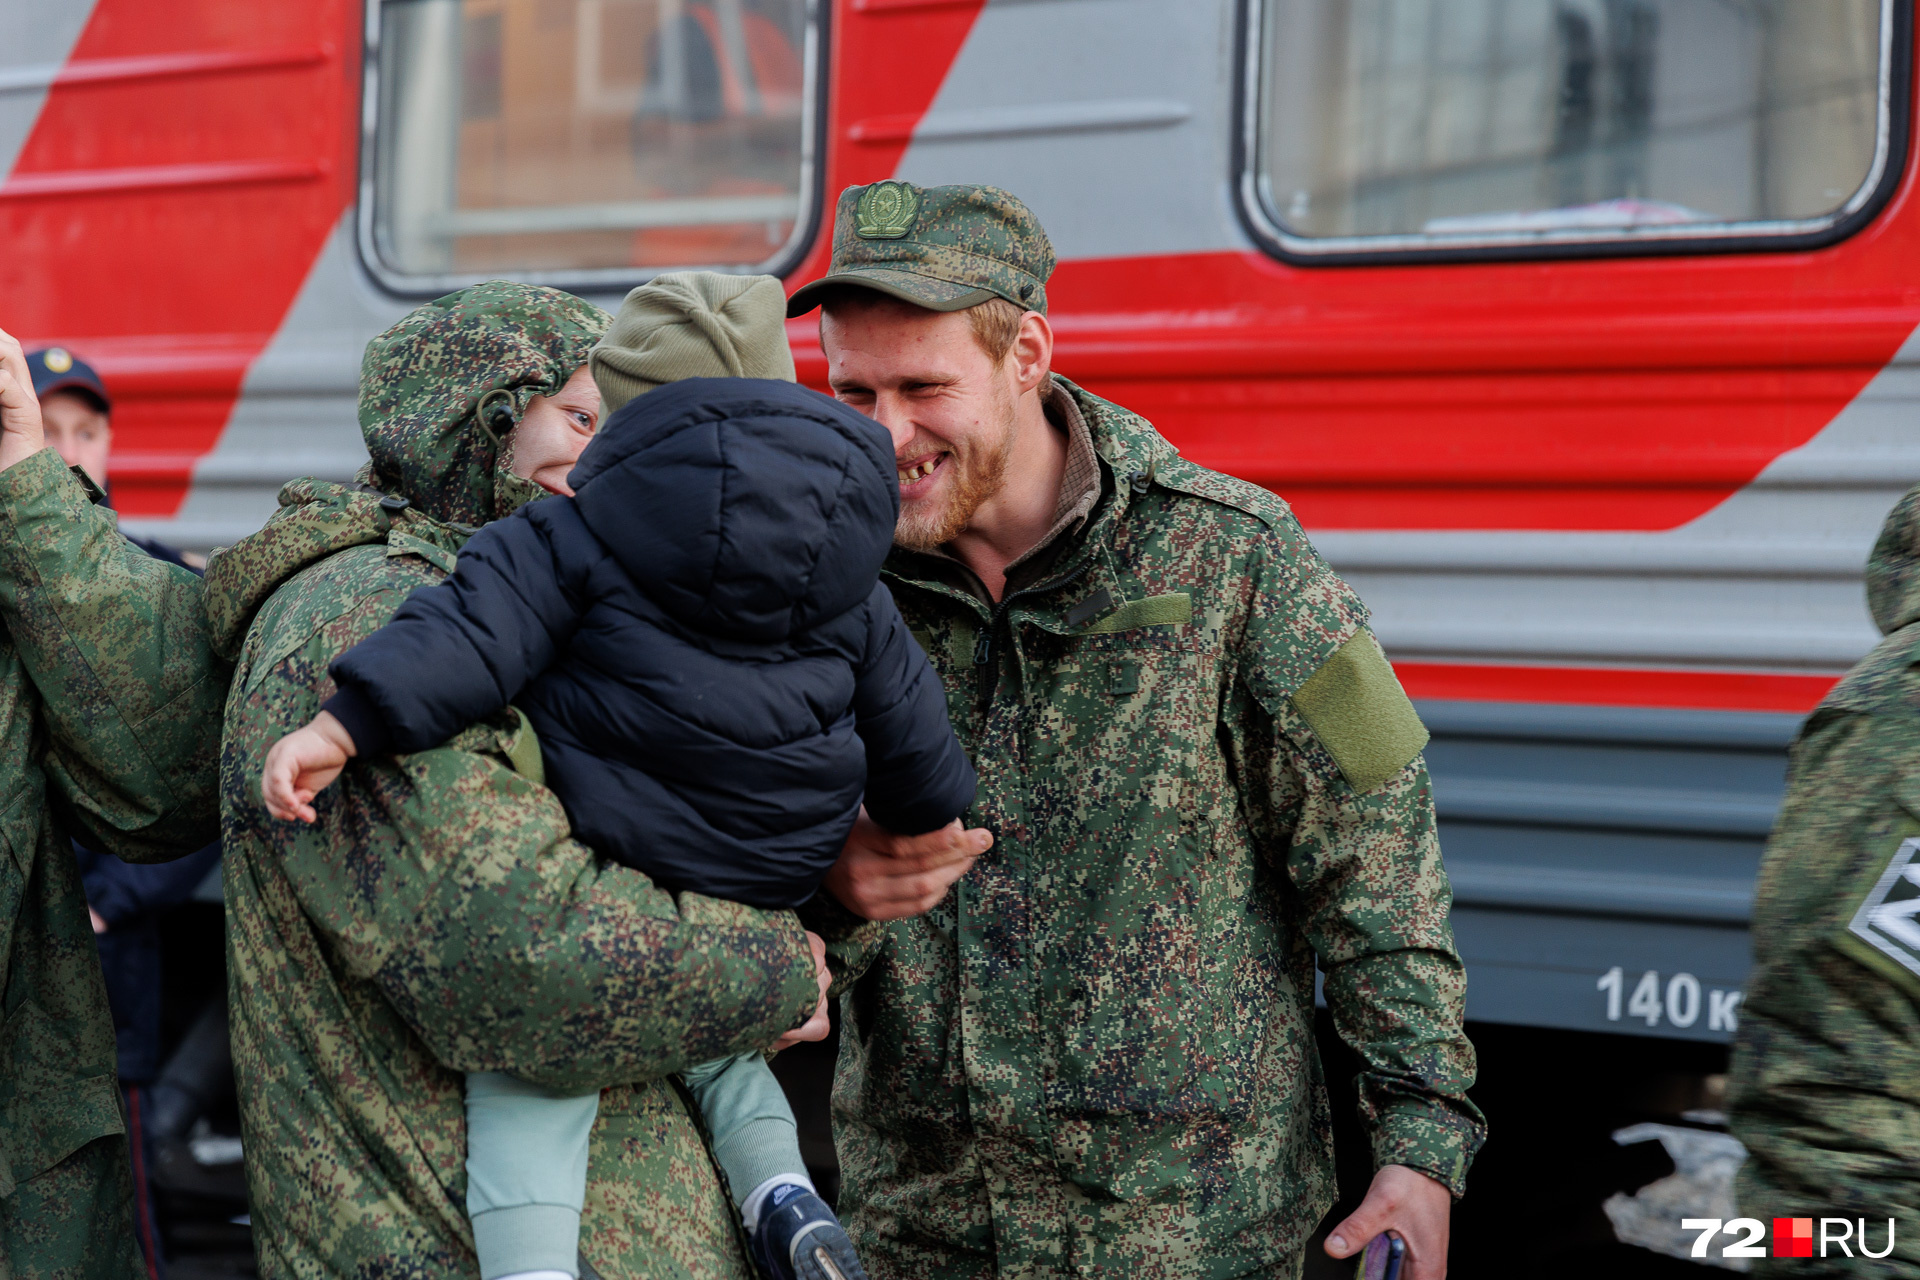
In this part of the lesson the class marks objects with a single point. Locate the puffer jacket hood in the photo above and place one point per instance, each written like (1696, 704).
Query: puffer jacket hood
(440, 390)
(424, 385)
(753, 560)
(1893, 570)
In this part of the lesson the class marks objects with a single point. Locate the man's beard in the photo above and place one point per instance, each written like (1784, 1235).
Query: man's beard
(979, 472)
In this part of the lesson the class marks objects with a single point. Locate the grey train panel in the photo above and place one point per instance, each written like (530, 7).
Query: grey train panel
(1546, 971)
(39, 37)
(1589, 841)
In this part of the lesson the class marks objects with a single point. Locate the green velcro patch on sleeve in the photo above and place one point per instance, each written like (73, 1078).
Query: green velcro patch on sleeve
(1354, 704)
(1154, 611)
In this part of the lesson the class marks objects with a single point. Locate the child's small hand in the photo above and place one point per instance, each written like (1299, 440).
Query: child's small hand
(301, 765)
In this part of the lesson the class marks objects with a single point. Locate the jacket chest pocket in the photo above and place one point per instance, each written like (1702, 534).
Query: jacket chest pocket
(1126, 716)
(1120, 743)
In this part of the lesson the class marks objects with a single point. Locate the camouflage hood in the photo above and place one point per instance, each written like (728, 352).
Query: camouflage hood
(441, 389)
(425, 386)
(1893, 570)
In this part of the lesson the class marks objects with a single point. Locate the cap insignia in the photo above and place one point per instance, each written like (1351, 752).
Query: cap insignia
(886, 211)
(57, 360)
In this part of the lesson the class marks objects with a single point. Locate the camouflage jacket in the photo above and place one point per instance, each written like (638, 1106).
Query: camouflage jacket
(1096, 1056)
(438, 920)
(1824, 1088)
(65, 1193)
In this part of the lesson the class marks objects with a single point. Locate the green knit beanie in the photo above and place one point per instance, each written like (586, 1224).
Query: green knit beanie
(693, 324)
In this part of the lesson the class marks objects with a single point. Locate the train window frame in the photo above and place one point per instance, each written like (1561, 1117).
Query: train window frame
(1262, 223)
(799, 244)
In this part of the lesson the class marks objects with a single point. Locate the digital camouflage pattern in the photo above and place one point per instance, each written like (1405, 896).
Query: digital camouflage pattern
(422, 384)
(960, 246)
(1097, 1056)
(65, 1183)
(1825, 1082)
(73, 1220)
(66, 1207)
(438, 920)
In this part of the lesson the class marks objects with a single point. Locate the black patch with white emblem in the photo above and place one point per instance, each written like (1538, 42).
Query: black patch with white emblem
(1885, 929)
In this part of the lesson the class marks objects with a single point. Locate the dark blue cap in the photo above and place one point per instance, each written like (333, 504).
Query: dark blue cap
(57, 369)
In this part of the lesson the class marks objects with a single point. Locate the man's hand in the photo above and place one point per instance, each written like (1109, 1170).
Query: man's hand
(1413, 1207)
(20, 433)
(883, 876)
(816, 1027)
(302, 765)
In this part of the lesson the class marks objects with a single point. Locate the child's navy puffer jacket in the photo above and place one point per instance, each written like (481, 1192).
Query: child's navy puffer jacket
(700, 639)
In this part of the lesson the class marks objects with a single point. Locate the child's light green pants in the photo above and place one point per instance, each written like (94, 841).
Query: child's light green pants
(527, 1156)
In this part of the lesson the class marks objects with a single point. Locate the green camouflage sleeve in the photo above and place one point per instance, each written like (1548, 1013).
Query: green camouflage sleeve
(1369, 892)
(853, 942)
(115, 641)
(450, 880)
(1824, 1084)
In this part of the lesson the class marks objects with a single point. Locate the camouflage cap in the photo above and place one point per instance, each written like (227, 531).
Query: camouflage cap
(943, 248)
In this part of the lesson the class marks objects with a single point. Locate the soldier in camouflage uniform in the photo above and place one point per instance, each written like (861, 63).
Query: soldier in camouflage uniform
(1096, 1056)
(66, 1209)
(437, 919)
(1825, 1086)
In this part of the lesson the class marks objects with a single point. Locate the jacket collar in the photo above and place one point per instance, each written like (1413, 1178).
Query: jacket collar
(1128, 452)
(316, 519)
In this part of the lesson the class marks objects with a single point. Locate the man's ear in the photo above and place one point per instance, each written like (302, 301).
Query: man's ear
(1032, 352)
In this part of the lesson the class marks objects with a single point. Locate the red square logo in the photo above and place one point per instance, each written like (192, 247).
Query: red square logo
(1793, 1237)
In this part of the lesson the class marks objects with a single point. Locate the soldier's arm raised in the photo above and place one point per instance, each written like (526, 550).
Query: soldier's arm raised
(450, 880)
(115, 642)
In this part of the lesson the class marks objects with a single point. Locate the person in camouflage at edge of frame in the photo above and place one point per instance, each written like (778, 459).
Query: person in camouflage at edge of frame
(66, 1210)
(437, 919)
(1824, 1087)
(1096, 1057)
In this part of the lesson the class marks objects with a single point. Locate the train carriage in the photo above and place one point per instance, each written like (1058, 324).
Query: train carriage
(1580, 334)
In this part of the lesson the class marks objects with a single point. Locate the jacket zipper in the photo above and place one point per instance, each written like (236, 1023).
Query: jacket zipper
(986, 671)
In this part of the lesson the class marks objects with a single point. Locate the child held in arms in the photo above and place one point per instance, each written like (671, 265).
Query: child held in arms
(696, 633)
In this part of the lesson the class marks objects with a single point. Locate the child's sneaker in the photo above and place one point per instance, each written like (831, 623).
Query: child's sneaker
(798, 1238)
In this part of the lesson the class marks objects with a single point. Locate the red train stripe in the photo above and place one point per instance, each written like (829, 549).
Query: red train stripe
(888, 61)
(1616, 687)
(181, 179)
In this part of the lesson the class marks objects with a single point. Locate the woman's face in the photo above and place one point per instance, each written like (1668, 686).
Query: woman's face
(554, 430)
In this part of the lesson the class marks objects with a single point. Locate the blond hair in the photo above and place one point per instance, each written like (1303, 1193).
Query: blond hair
(996, 326)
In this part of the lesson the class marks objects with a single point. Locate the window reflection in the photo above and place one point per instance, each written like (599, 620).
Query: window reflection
(1478, 118)
(543, 136)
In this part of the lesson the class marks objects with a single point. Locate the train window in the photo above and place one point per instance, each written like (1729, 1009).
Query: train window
(586, 143)
(1423, 126)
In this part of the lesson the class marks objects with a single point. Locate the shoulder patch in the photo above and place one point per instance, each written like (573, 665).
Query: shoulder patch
(1181, 476)
(1884, 932)
(1356, 708)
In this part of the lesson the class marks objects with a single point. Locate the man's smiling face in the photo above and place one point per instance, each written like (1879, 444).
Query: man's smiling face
(949, 408)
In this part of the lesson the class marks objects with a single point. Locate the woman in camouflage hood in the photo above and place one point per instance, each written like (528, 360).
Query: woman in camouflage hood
(441, 392)
(444, 397)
